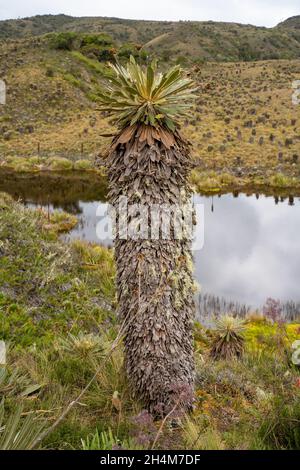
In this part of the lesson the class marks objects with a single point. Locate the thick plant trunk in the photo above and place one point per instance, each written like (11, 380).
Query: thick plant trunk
(154, 276)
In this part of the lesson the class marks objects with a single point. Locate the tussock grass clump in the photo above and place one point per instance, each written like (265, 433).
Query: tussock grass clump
(282, 429)
(83, 345)
(59, 163)
(58, 221)
(83, 164)
(201, 434)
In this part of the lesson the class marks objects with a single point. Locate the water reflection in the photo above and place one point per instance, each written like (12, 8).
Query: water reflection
(251, 249)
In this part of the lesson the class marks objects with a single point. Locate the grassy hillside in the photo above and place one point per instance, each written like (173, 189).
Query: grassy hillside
(51, 101)
(186, 41)
(292, 22)
(243, 127)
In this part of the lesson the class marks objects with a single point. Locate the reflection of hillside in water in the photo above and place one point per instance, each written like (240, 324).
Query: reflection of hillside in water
(251, 252)
(60, 190)
(251, 242)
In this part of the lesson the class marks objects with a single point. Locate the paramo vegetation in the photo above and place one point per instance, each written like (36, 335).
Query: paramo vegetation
(102, 347)
(54, 349)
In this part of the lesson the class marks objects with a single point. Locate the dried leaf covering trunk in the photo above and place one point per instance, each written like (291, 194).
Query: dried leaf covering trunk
(154, 276)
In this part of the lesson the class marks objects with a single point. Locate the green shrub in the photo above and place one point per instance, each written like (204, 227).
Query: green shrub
(129, 49)
(96, 39)
(103, 54)
(63, 41)
(106, 55)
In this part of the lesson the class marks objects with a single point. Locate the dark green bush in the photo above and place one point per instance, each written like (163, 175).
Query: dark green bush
(100, 53)
(63, 41)
(129, 49)
(106, 55)
(96, 39)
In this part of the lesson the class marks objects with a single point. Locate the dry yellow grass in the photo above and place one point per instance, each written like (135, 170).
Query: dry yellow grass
(245, 123)
(244, 127)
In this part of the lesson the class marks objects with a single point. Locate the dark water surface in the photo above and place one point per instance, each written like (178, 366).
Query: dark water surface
(251, 243)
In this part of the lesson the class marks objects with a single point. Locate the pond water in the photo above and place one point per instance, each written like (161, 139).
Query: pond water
(251, 245)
